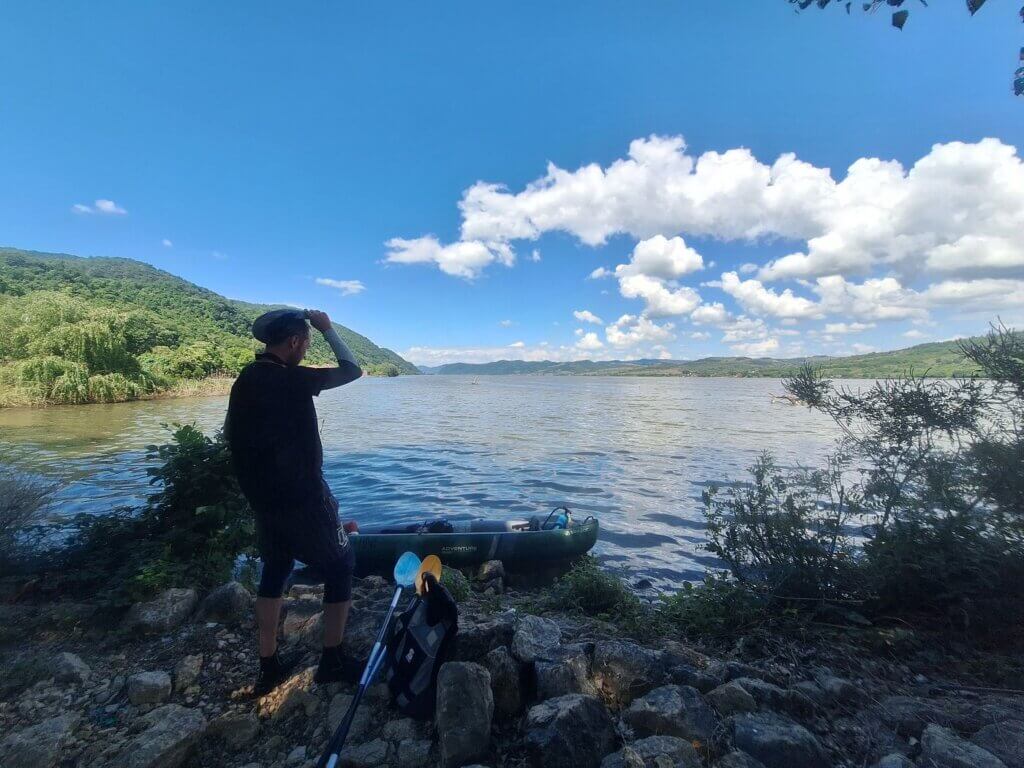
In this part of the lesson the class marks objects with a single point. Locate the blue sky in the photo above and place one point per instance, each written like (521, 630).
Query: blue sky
(255, 147)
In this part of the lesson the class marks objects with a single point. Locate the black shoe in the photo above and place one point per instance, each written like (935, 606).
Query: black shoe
(274, 670)
(335, 667)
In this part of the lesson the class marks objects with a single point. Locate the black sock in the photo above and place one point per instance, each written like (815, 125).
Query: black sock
(269, 661)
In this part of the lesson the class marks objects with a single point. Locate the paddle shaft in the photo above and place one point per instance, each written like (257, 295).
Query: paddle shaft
(337, 741)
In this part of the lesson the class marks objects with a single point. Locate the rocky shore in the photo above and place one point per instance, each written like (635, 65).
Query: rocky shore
(169, 684)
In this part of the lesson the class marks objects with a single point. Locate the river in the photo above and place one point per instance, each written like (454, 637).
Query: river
(635, 452)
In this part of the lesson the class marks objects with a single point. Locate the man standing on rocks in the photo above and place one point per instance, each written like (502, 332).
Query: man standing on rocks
(272, 429)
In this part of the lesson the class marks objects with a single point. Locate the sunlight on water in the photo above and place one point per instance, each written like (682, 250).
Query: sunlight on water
(635, 452)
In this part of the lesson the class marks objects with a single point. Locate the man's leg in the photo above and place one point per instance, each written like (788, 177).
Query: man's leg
(335, 618)
(273, 670)
(334, 666)
(268, 615)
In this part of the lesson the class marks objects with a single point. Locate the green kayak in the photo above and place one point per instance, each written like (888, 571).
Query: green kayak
(469, 543)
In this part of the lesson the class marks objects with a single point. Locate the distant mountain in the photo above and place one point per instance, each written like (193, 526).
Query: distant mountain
(76, 329)
(934, 359)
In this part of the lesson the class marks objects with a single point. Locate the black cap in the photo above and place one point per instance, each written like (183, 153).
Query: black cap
(278, 324)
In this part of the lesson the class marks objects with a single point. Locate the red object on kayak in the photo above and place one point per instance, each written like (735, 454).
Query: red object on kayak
(351, 527)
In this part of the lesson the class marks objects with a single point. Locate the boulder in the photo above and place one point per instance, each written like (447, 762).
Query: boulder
(404, 729)
(170, 608)
(1005, 740)
(149, 687)
(738, 759)
(672, 710)
(731, 699)
(505, 683)
(838, 692)
(413, 754)
(368, 755)
(777, 742)
(292, 695)
(942, 748)
(228, 604)
(69, 668)
(895, 760)
(645, 753)
(724, 671)
(187, 670)
(465, 707)
(535, 638)
(361, 722)
(572, 731)
(772, 697)
(474, 641)
(567, 670)
(909, 715)
(623, 670)
(296, 756)
(169, 735)
(38, 746)
(236, 729)
(490, 578)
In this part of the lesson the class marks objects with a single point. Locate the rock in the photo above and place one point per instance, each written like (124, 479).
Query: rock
(730, 670)
(731, 699)
(228, 604)
(400, 730)
(942, 748)
(186, 671)
(645, 753)
(477, 640)
(505, 683)
(895, 760)
(1005, 740)
(535, 637)
(772, 697)
(682, 673)
(237, 729)
(38, 746)
(572, 731)
(149, 687)
(361, 722)
(568, 670)
(492, 569)
(813, 691)
(296, 756)
(413, 754)
(163, 614)
(465, 707)
(171, 732)
(623, 670)
(69, 668)
(368, 755)
(777, 742)
(293, 694)
(838, 691)
(738, 759)
(672, 710)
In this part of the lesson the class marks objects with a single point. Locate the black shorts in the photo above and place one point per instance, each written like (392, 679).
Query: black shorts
(337, 575)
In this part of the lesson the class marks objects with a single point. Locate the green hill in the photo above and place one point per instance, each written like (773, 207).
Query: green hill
(940, 359)
(76, 330)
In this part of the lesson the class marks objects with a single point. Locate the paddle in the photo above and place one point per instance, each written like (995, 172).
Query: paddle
(431, 564)
(407, 569)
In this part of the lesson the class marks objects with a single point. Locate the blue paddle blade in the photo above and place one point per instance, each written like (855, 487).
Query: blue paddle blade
(406, 569)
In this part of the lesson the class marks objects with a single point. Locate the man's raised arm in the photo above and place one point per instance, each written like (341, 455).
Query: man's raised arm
(348, 369)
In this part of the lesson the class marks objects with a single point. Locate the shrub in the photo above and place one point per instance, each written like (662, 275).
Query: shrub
(456, 583)
(24, 498)
(588, 589)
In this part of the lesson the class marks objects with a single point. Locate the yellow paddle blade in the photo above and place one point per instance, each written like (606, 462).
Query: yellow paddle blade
(431, 564)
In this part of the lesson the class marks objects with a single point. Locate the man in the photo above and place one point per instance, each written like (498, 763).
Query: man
(271, 427)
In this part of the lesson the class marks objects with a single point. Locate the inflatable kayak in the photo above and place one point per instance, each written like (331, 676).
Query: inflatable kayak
(463, 543)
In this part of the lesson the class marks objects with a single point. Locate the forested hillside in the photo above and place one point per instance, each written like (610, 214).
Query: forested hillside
(75, 330)
(940, 359)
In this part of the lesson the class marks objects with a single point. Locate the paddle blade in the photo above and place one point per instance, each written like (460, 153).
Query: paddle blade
(431, 564)
(406, 569)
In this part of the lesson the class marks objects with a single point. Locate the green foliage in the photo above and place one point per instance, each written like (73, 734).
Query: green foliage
(588, 589)
(192, 531)
(456, 583)
(24, 498)
(717, 607)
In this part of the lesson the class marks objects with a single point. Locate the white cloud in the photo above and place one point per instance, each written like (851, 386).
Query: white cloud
(423, 355)
(700, 335)
(710, 314)
(535, 255)
(743, 329)
(631, 330)
(761, 348)
(841, 328)
(661, 300)
(218, 255)
(505, 323)
(166, 243)
(659, 257)
(913, 333)
(748, 268)
(598, 273)
(754, 297)
(863, 349)
(347, 287)
(517, 345)
(983, 295)
(586, 316)
(874, 299)
(976, 253)
(464, 259)
(589, 342)
(101, 206)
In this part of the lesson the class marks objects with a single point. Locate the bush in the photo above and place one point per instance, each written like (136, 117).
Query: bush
(456, 583)
(24, 498)
(588, 589)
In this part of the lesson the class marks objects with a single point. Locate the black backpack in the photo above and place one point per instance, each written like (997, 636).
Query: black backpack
(422, 639)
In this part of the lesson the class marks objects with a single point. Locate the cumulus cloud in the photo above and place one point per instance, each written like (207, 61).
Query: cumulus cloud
(700, 335)
(632, 330)
(754, 297)
(600, 272)
(166, 243)
(586, 316)
(535, 255)
(505, 323)
(423, 355)
(661, 299)
(913, 333)
(101, 207)
(465, 259)
(347, 287)
(841, 328)
(714, 313)
(589, 342)
(761, 348)
(661, 258)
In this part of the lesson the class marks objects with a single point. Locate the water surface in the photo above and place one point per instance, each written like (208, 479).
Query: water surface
(635, 452)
